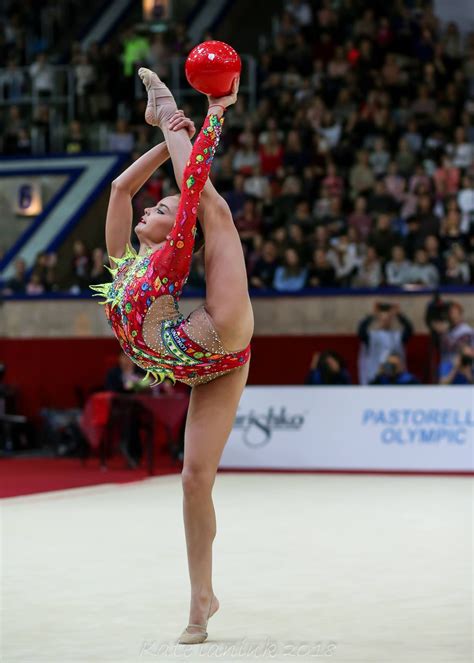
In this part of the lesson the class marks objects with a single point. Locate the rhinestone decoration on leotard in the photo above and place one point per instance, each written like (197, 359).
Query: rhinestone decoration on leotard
(155, 335)
(204, 379)
(199, 328)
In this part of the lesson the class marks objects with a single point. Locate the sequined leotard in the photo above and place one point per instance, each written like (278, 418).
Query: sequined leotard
(141, 303)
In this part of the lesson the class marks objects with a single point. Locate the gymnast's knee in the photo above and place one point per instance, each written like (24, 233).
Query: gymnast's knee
(213, 207)
(197, 481)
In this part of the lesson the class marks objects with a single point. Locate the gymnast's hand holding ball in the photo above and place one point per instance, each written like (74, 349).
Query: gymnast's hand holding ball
(180, 121)
(228, 99)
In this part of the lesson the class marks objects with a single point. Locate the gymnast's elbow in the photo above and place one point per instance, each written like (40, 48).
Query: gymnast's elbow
(119, 185)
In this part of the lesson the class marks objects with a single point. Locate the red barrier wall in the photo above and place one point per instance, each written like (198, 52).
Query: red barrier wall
(53, 372)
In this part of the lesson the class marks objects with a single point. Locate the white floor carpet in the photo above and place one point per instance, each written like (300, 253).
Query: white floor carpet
(306, 567)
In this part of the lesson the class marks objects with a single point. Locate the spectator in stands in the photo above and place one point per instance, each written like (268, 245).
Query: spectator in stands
(422, 272)
(379, 158)
(321, 272)
(42, 124)
(427, 219)
(327, 368)
(466, 203)
(300, 11)
(12, 81)
(361, 177)
(344, 257)
(236, 197)
(44, 269)
(303, 217)
(257, 185)
(456, 272)
(369, 273)
(136, 51)
(80, 265)
(297, 240)
(98, 271)
(380, 201)
(122, 139)
(291, 276)
(456, 334)
(459, 369)
(49, 275)
(295, 157)
(248, 222)
(263, 271)
(246, 157)
(42, 76)
(450, 232)
(405, 158)
(271, 155)
(76, 140)
(85, 78)
(382, 238)
(12, 127)
(393, 372)
(359, 219)
(431, 246)
(16, 285)
(397, 270)
(124, 377)
(446, 178)
(461, 151)
(382, 333)
(35, 285)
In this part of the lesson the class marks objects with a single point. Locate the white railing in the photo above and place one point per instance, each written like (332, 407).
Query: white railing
(17, 88)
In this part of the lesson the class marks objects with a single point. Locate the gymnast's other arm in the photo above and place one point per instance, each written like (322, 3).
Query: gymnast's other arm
(118, 224)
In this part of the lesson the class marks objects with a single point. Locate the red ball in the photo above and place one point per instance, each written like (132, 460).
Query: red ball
(211, 68)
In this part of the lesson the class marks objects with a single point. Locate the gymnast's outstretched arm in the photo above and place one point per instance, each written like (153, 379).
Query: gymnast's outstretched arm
(118, 224)
(180, 146)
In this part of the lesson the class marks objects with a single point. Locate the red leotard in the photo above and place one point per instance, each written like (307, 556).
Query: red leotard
(141, 303)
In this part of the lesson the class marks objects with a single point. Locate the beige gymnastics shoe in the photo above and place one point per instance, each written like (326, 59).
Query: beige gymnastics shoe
(187, 638)
(161, 104)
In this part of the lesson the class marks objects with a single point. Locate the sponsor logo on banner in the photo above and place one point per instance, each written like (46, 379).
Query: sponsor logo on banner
(419, 426)
(257, 428)
(393, 428)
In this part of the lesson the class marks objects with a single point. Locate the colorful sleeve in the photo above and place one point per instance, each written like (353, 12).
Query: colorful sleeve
(178, 253)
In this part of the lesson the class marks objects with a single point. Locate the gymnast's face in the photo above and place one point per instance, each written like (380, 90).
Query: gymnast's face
(157, 221)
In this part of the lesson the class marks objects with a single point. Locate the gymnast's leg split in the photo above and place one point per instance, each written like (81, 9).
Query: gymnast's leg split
(213, 405)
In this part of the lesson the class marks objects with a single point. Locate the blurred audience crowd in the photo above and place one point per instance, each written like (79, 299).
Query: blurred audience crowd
(355, 169)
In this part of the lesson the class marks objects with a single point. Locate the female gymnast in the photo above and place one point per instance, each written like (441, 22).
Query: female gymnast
(210, 349)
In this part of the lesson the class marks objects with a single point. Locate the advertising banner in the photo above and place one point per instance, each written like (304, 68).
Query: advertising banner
(354, 428)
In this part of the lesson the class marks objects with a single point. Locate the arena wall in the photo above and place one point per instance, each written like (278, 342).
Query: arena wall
(56, 352)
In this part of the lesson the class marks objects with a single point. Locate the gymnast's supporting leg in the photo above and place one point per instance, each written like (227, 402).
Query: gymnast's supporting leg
(211, 414)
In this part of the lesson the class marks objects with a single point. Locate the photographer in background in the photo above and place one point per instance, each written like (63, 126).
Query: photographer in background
(384, 332)
(393, 372)
(327, 368)
(459, 334)
(459, 370)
